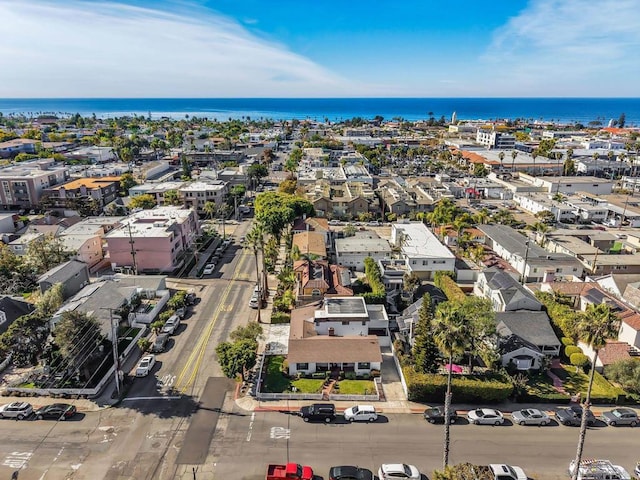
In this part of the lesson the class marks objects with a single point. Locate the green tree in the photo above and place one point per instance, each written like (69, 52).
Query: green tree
(77, 326)
(257, 171)
(210, 209)
(51, 300)
(47, 252)
(255, 242)
(626, 373)
(449, 334)
(250, 331)
(546, 216)
(288, 186)
(126, 182)
(171, 197)
(579, 360)
(597, 325)
(349, 230)
(425, 352)
(9, 261)
(236, 357)
(144, 201)
(479, 170)
(480, 327)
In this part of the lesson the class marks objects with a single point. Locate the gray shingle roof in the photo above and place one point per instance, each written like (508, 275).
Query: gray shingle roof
(533, 327)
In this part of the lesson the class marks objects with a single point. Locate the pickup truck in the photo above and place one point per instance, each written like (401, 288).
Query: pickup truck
(290, 471)
(599, 470)
(496, 471)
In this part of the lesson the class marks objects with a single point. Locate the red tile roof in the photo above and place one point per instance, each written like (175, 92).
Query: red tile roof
(613, 352)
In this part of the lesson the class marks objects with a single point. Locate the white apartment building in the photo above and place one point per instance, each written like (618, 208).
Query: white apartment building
(421, 250)
(493, 139)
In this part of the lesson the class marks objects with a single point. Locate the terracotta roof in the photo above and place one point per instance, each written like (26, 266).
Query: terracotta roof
(310, 243)
(613, 352)
(632, 319)
(572, 288)
(89, 183)
(326, 349)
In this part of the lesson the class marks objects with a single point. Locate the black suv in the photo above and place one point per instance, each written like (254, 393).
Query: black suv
(436, 415)
(324, 412)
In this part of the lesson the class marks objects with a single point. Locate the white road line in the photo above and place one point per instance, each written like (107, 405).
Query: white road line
(253, 417)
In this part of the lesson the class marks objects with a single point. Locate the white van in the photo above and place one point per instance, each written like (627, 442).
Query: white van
(361, 413)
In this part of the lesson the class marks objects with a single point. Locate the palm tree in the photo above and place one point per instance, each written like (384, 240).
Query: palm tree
(501, 157)
(255, 241)
(597, 325)
(209, 209)
(449, 333)
(514, 154)
(534, 155)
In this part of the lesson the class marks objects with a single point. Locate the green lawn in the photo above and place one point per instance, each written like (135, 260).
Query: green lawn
(356, 387)
(308, 385)
(276, 382)
(578, 382)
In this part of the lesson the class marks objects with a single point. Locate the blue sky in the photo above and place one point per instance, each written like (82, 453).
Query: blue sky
(256, 48)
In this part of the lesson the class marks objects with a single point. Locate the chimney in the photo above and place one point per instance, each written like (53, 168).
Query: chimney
(332, 332)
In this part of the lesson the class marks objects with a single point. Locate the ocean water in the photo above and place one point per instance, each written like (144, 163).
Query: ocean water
(583, 110)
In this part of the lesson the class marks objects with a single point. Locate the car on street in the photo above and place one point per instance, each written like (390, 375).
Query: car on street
(636, 471)
(181, 312)
(436, 415)
(209, 268)
(322, 412)
(349, 472)
(145, 366)
(530, 416)
(255, 301)
(171, 325)
(572, 416)
(19, 410)
(56, 411)
(620, 416)
(361, 413)
(393, 471)
(160, 343)
(485, 416)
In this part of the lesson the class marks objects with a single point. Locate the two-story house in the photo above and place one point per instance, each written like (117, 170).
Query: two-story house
(422, 251)
(504, 292)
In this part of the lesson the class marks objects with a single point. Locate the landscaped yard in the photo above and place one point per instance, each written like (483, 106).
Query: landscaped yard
(575, 382)
(356, 387)
(276, 382)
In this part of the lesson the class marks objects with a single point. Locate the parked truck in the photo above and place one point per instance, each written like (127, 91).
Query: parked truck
(495, 471)
(599, 470)
(290, 471)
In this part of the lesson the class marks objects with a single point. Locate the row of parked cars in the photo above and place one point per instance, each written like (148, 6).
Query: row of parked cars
(387, 471)
(24, 410)
(571, 416)
(213, 261)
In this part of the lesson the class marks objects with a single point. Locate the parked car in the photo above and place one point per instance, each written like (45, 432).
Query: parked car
(572, 416)
(436, 415)
(171, 325)
(289, 471)
(620, 416)
(485, 416)
(392, 471)
(181, 312)
(191, 298)
(145, 366)
(361, 413)
(254, 302)
(324, 412)
(349, 472)
(160, 343)
(530, 416)
(17, 410)
(209, 268)
(56, 411)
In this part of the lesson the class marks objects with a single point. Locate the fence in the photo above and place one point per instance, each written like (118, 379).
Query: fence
(289, 396)
(89, 392)
(377, 382)
(403, 382)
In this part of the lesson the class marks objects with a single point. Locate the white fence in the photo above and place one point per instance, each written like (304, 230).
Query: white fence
(289, 396)
(377, 382)
(403, 382)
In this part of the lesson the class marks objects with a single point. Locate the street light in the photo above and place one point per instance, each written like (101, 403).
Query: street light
(114, 342)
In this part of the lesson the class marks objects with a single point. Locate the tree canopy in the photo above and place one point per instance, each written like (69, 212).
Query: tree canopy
(145, 201)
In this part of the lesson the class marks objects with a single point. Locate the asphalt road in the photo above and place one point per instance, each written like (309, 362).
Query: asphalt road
(142, 437)
(254, 440)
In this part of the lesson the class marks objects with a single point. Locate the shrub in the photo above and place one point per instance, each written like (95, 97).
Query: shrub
(429, 387)
(164, 316)
(350, 375)
(571, 349)
(579, 360)
(178, 300)
(318, 375)
(450, 288)
(280, 317)
(144, 344)
(566, 341)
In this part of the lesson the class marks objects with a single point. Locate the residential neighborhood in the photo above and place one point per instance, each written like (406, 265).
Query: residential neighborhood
(389, 265)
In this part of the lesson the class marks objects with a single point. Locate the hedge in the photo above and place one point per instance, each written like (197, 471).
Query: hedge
(450, 288)
(614, 394)
(429, 387)
(280, 317)
(571, 349)
(566, 341)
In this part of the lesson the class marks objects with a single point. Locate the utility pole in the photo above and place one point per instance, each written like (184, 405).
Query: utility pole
(114, 343)
(524, 266)
(133, 250)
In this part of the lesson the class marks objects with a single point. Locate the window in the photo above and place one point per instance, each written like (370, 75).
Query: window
(302, 366)
(364, 366)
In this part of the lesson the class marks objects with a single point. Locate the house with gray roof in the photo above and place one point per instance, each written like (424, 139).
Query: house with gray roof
(504, 291)
(11, 309)
(351, 251)
(74, 275)
(532, 327)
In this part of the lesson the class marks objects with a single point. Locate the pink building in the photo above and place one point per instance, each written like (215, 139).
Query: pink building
(154, 240)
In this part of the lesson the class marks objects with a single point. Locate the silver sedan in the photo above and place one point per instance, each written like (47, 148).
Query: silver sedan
(530, 416)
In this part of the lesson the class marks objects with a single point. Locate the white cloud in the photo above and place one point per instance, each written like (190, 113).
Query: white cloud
(567, 48)
(99, 49)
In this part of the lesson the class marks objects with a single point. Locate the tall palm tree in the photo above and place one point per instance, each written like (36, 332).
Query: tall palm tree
(534, 155)
(255, 241)
(514, 154)
(450, 335)
(501, 157)
(597, 325)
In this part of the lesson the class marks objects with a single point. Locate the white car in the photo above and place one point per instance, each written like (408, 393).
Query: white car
(145, 366)
(171, 325)
(254, 302)
(361, 413)
(485, 416)
(391, 471)
(17, 410)
(209, 268)
(530, 416)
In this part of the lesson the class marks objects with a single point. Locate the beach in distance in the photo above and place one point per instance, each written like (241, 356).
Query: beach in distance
(559, 110)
